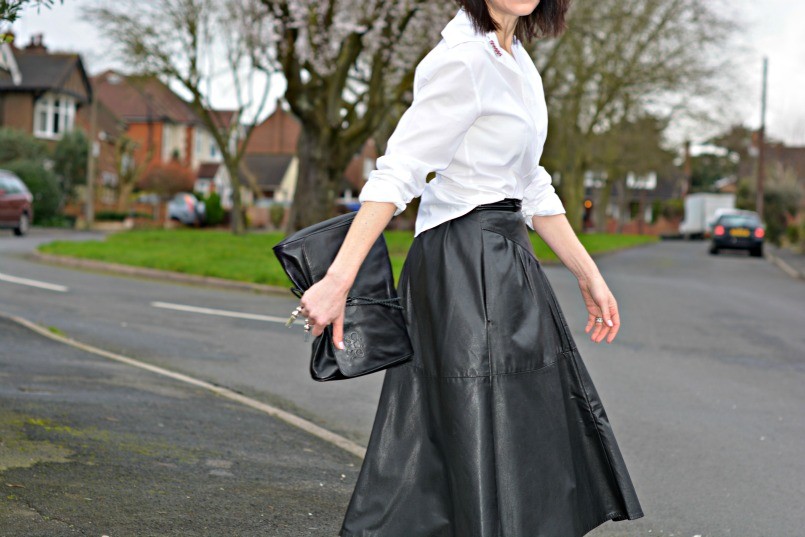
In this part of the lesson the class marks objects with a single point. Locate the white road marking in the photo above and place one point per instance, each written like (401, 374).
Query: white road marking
(33, 283)
(220, 313)
(287, 417)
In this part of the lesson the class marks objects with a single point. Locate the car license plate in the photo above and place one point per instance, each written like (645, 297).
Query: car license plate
(739, 232)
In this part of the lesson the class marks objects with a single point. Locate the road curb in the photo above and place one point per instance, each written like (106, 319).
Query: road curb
(291, 419)
(157, 274)
(784, 266)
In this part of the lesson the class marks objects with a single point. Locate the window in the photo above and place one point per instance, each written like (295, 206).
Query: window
(738, 220)
(53, 115)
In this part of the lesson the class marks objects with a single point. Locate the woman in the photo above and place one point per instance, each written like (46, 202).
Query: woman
(494, 427)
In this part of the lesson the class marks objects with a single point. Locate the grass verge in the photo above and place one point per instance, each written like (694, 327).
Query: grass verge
(249, 258)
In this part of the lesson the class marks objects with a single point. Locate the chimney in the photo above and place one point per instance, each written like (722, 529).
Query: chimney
(37, 44)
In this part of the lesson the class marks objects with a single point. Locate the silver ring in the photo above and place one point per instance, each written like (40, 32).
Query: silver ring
(599, 319)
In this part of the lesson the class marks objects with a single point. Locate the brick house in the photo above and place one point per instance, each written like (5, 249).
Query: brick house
(271, 159)
(47, 94)
(166, 128)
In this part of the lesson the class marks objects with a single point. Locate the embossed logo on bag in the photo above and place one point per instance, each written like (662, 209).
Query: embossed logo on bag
(354, 346)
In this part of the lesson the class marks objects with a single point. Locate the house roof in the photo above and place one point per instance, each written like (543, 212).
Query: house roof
(207, 170)
(41, 70)
(223, 118)
(267, 169)
(142, 98)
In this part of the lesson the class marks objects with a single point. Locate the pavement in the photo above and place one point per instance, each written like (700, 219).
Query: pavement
(93, 447)
(791, 262)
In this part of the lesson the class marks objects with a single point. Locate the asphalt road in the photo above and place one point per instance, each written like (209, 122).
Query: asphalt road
(93, 447)
(704, 384)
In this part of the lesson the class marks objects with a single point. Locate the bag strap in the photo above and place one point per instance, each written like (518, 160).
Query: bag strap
(361, 300)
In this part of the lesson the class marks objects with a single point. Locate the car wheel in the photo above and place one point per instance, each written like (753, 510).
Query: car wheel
(756, 252)
(23, 225)
(713, 250)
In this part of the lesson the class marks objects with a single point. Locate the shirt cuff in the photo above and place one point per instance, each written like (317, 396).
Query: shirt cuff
(377, 189)
(540, 198)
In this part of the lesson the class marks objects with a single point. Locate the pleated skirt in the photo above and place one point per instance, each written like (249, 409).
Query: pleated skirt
(494, 428)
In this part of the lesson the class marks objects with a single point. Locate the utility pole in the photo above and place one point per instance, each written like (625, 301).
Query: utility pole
(687, 168)
(89, 208)
(761, 157)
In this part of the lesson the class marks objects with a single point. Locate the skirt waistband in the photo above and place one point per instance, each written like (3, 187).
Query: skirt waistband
(506, 204)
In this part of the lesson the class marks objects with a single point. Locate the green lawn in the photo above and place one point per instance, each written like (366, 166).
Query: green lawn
(250, 258)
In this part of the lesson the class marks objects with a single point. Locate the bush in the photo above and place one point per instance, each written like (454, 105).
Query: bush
(792, 233)
(673, 208)
(70, 161)
(276, 214)
(215, 213)
(110, 216)
(16, 145)
(780, 202)
(43, 185)
(167, 179)
(59, 220)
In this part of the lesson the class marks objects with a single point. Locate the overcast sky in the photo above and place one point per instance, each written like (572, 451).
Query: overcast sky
(772, 28)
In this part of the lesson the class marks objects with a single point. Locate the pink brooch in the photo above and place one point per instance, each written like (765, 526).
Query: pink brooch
(491, 42)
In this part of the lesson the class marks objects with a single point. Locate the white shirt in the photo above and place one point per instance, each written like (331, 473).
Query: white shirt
(479, 120)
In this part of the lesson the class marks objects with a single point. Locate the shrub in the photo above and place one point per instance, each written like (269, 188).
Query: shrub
(167, 179)
(792, 233)
(215, 212)
(276, 214)
(70, 161)
(43, 185)
(16, 145)
(110, 216)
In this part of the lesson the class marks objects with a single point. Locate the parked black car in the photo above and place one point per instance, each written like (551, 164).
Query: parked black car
(738, 231)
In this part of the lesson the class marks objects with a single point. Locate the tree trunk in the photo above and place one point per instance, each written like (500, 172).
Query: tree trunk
(623, 206)
(124, 196)
(573, 194)
(604, 195)
(236, 216)
(317, 181)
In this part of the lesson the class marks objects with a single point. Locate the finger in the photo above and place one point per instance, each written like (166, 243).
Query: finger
(606, 313)
(595, 330)
(317, 329)
(601, 329)
(338, 332)
(616, 321)
(590, 322)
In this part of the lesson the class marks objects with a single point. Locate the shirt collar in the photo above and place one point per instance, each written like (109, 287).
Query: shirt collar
(460, 30)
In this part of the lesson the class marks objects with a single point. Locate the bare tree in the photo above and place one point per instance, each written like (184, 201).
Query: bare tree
(631, 146)
(198, 44)
(620, 58)
(348, 65)
(128, 169)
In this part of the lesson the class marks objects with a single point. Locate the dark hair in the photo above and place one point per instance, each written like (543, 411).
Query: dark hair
(547, 19)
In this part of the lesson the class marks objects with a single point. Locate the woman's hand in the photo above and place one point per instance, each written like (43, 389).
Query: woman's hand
(600, 303)
(323, 303)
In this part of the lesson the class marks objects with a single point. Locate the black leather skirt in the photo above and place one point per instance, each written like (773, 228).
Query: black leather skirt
(494, 428)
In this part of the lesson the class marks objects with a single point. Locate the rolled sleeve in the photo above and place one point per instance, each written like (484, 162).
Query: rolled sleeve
(429, 132)
(540, 197)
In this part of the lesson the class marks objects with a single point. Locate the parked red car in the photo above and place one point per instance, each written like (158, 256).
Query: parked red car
(16, 209)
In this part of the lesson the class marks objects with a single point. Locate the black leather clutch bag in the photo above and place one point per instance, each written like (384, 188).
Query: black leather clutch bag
(375, 332)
